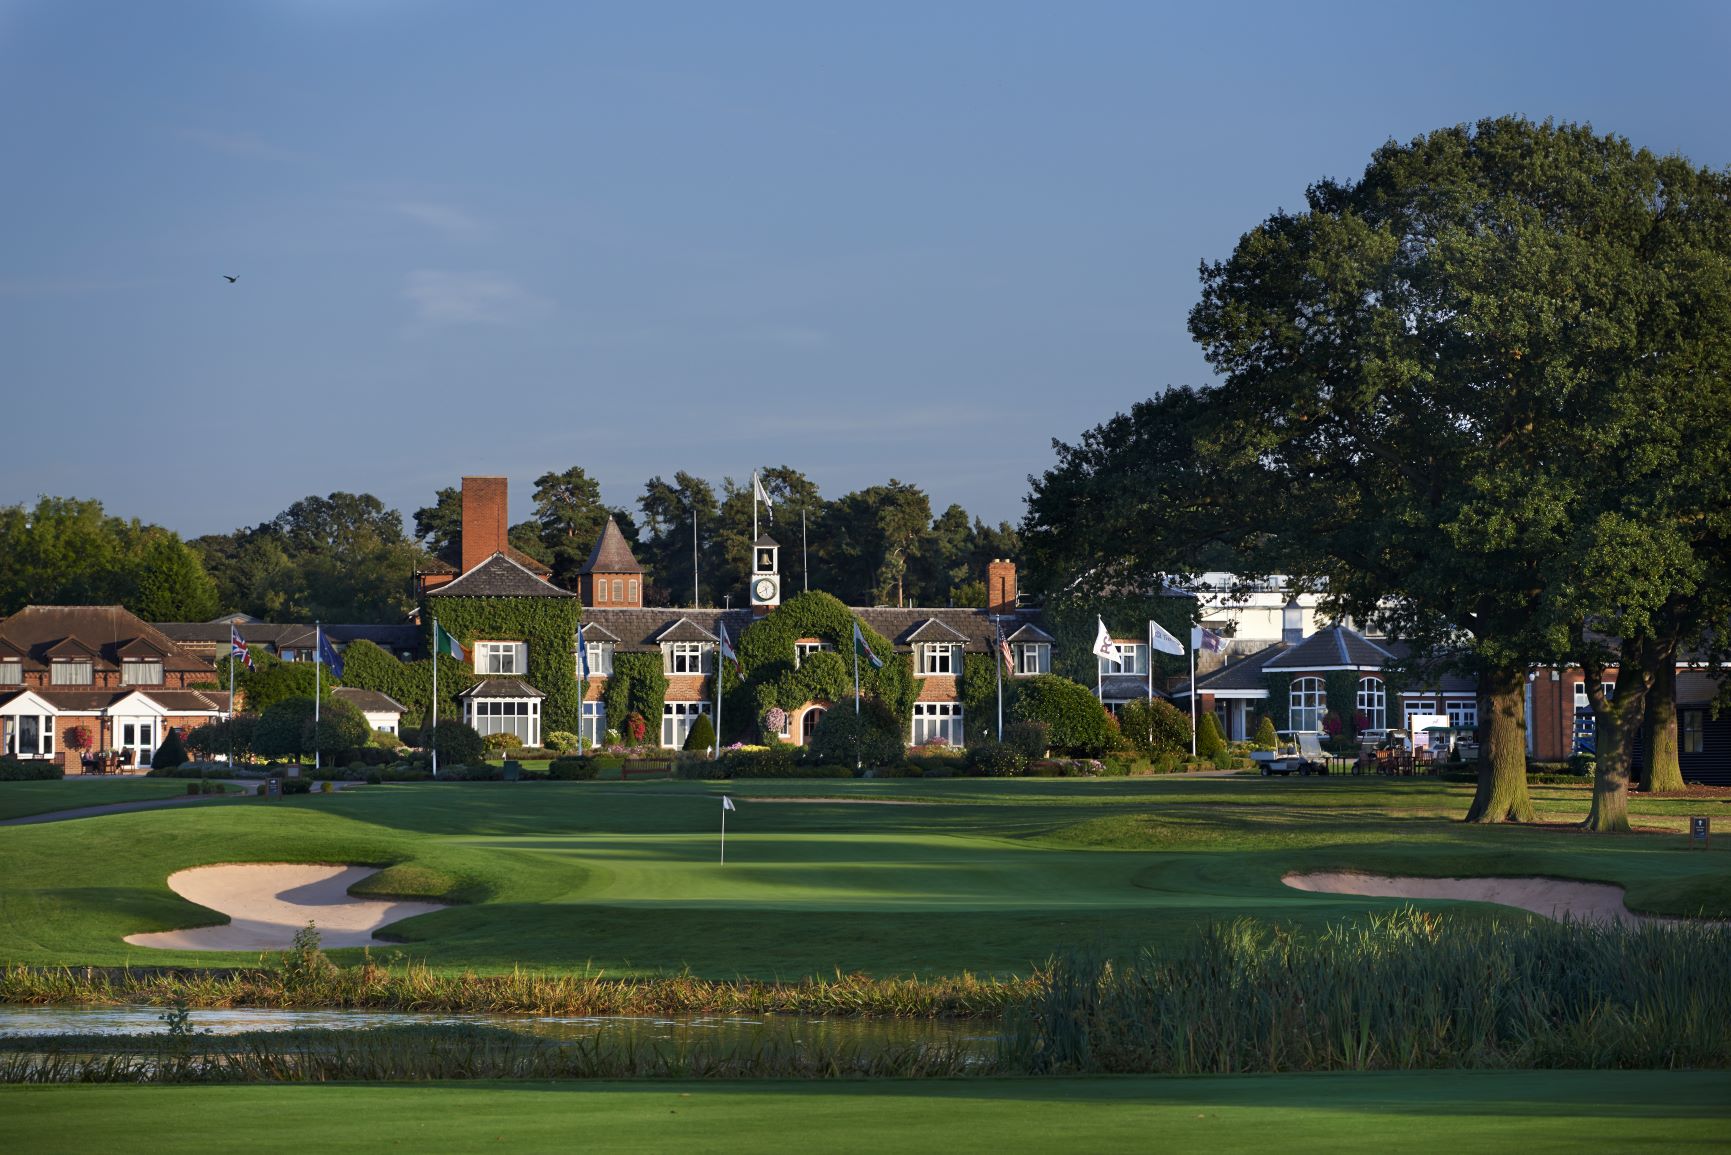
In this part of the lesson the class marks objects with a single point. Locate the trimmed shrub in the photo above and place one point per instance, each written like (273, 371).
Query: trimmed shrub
(1031, 738)
(1209, 742)
(15, 769)
(572, 769)
(996, 760)
(501, 743)
(757, 761)
(561, 741)
(297, 786)
(1077, 720)
(701, 736)
(1153, 727)
(872, 737)
(385, 740)
(1265, 739)
(171, 753)
(458, 743)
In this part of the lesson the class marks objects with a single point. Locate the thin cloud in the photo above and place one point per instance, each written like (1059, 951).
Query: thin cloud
(244, 145)
(447, 219)
(442, 297)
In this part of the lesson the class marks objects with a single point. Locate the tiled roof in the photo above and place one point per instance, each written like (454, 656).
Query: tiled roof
(1029, 632)
(372, 701)
(1700, 687)
(640, 631)
(500, 577)
(684, 630)
(1244, 674)
(933, 630)
(596, 632)
(1334, 647)
(764, 541)
(501, 688)
(95, 701)
(1125, 687)
(612, 553)
(97, 631)
(976, 626)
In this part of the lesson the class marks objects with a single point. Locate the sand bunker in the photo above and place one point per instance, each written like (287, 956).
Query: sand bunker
(267, 902)
(1595, 902)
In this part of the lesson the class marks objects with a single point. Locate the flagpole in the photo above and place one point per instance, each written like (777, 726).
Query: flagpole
(433, 730)
(582, 681)
(231, 704)
(858, 759)
(715, 743)
(998, 665)
(694, 556)
(754, 509)
(804, 554)
(318, 685)
(1192, 691)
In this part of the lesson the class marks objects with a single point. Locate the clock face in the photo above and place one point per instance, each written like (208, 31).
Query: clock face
(765, 589)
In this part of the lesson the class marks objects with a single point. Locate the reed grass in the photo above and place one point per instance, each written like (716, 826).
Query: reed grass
(1406, 990)
(413, 987)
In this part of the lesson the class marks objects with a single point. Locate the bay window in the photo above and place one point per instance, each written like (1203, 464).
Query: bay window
(942, 720)
(1308, 701)
(1373, 703)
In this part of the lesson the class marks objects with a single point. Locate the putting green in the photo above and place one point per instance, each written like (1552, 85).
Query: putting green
(1529, 1111)
(986, 876)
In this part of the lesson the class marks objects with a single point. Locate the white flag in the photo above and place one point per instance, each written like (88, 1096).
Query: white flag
(1161, 640)
(1103, 646)
(726, 802)
(762, 494)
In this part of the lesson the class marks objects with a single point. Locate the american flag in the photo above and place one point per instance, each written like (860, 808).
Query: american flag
(1004, 652)
(237, 647)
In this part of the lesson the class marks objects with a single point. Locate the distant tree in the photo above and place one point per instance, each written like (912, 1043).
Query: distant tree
(284, 730)
(170, 584)
(667, 527)
(439, 526)
(340, 726)
(569, 517)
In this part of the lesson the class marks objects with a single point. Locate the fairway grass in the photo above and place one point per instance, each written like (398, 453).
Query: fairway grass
(1528, 1111)
(21, 799)
(985, 876)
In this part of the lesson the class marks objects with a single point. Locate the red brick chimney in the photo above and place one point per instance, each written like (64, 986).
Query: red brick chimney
(1001, 586)
(485, 519)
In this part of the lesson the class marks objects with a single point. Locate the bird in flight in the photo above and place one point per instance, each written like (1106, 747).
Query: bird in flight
(229, 279)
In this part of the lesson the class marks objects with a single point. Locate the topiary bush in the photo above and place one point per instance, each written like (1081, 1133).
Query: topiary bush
(458, 743)
(870, 738)
(502, 743)
(560, 741)
(701, 736)
(171, 753)
(1266, 738)
(1075, 718)
(1031, 738)
(1209, 742)
(572, 769)
(14, 769)
(1154, 727)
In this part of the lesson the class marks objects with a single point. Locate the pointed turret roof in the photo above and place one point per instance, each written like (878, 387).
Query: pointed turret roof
(612, 553)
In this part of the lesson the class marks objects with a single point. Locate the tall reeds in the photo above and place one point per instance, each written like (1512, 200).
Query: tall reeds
(1404, 990)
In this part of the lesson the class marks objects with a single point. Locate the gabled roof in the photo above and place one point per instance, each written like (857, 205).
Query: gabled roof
(641, 630)
(683, 630)
(596, 632)
(1243, 675)
(374, 701)
(96, 701)
(1029, 632)
(42, 633)
(612, 553)
(140, 647)
(764, 541)
(500, 577)
(502, 688)
(1333, 648)
(932, 630)
(975, 626)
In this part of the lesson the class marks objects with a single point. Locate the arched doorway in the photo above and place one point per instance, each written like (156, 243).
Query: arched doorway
(808, 724)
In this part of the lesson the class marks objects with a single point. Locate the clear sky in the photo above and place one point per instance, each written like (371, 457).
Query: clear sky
(914, 240)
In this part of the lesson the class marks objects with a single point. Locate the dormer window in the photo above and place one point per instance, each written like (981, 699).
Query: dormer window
(1127, 658)
(1032, 657)
(804, 650)
(685, 657)
(70, 673)
(600, 658)
(940, 658)
(140, 672)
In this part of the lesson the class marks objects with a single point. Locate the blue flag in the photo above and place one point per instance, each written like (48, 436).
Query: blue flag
(329, 656)
(582, 654)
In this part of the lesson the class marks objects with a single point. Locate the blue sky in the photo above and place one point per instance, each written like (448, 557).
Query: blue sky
(910, 240)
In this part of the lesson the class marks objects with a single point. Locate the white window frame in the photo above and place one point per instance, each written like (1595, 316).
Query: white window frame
(1415, 706)
(44, 735)
(1373, 702)
(600, 659)
(488, 657)
(803, 650)
(618, 589)
(940, 659)
(59, 673)
(936, 720)
(600, 590)
(1129, 658)
(685, 657)
(593, 729)
(1463, 713)
(1031, 658)
(631, 591)
(11, 672)
(129, 668)
(677, 719)
(490, 716)
(1306, 703)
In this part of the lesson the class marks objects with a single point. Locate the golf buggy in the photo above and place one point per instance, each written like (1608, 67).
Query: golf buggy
(1295, 752)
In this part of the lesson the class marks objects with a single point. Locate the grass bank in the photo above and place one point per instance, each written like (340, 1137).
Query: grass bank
(23, 799)
(1423, 1111)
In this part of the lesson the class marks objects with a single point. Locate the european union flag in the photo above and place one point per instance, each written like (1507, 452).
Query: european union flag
(329, 656)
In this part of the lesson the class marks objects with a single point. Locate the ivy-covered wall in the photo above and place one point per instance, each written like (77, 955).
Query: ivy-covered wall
(1279, 699)
(979, 694)
(1342, 688)
(638, 685)
(767, 655)
(1073, 622)
(370, 668)
(548, 624)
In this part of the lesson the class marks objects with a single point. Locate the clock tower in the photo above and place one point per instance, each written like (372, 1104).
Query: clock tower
(765, 574)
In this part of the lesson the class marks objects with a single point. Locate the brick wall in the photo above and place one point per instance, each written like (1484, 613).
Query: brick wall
(939, 688)
(486, 519)
(1001, 586)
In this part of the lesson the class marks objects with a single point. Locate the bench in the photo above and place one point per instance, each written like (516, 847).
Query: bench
(645, 768)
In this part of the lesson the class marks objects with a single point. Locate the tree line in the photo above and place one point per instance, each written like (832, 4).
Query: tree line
(1480, 396)
(347, 557)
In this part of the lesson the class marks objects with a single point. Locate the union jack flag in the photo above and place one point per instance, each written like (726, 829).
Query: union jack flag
(237, 647)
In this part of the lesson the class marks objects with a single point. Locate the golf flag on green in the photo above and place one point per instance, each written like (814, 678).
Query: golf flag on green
(863, 650)
(444, 643)
(726, 805)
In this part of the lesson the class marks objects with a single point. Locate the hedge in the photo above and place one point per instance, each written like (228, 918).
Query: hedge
(1076, 719)
(572, 769)
(14, 769)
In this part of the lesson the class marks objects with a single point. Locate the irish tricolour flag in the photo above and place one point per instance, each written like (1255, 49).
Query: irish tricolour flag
(444, 643)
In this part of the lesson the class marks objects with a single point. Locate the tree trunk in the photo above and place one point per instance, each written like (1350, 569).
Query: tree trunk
(1502, 793)
(1615, 720)
(1663, 771)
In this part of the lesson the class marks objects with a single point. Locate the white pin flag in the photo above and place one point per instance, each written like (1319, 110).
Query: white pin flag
(726, 805)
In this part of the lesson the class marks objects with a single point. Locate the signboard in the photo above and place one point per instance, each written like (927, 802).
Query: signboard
(1699, 829)
(1420, 725)
(273, 788)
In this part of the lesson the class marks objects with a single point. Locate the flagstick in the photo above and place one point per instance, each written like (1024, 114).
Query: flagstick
(998, 665)
(433, 741)
(1193, 692)
(318, 685)
(694, 556)
(724, 834)
(715, 741)
(857, 757)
